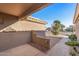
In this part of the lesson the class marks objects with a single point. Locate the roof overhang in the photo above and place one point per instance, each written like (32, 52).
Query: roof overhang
(21, 9)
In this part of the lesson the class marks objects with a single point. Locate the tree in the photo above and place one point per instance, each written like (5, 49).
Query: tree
(62, 27)
(56, 27)
(69, 29)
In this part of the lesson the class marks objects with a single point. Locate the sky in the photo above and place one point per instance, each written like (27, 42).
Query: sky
(64, 12)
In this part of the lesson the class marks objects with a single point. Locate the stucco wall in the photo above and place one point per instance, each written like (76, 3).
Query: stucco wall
(13, 39)
(76, 13)
(76, 21)
(11, 23)
(76, 26)
(6, 21)
(25, 25)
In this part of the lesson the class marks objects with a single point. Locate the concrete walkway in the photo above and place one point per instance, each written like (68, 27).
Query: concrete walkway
(60, 49)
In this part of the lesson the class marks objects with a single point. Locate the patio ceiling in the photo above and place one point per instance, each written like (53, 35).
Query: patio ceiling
(21, 9)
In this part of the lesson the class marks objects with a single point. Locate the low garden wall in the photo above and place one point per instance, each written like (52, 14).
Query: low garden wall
(44, 41)
(13, 39)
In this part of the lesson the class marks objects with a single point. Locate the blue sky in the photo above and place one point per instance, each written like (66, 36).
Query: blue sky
(59, 11)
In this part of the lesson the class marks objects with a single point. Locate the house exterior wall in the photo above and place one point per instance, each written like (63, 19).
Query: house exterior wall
(6, 20)
(27, 26)
(76, 13)
(76, 27)
(76, 21)
(10, 23)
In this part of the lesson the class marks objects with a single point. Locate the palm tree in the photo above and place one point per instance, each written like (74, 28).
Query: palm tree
(56, 27)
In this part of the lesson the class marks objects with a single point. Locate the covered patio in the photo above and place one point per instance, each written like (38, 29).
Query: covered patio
(15, 27)
(23, 36)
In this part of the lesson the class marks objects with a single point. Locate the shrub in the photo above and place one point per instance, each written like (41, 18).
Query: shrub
(72, 37)
(56, 27)
(72, 43)
(55, 32)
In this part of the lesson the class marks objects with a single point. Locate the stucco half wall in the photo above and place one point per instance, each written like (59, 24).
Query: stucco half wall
(13, 39)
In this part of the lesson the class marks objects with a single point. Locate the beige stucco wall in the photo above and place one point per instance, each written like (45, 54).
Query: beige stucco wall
(76, 21)
(11, 23)
(27, 26)
(76, 13)
(13, 39)
(76, 27)
(6, 21)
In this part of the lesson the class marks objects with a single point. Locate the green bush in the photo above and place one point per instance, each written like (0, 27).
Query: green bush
(72, 43)
(55, 32)
(72, 37)
(56, 27)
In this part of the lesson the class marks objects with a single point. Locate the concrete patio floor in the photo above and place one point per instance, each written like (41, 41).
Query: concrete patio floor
(23, 50)
(60, 49)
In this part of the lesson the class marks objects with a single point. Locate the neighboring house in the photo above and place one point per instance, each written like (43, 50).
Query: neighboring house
(76, 21)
